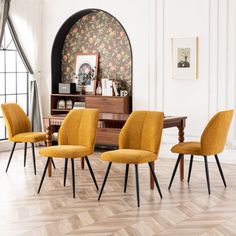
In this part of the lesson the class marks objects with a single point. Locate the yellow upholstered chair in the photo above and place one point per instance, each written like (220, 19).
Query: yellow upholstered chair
(212, 142)
(19, 130)
(76, 139)
(139, 142)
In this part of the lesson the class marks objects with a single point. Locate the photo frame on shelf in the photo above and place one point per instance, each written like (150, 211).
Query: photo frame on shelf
(61, 104)
(69, 104)
(86, 66)
(184, 58)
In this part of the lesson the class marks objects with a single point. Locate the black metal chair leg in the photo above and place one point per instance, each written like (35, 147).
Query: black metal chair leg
(73, 176)
(126, 177)
(220, 169)
(155, 178)
(53, 164)
(190, 167)
(137, 184)
(25, 153)
(91, 172)
(104, 181)
(65, 171)
(44, 173)
(9, 161)
(207, 175)
(33, 152)
(174, 171)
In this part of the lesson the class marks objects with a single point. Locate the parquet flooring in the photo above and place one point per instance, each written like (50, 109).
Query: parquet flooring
(185, 210)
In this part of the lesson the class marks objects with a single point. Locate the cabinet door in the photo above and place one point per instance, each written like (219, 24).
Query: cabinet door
(107, 136)
(109, 104)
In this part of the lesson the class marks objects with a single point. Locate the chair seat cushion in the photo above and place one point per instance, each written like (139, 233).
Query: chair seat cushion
(192, 148)
(129, 156)
(66, 151)
(31, 137)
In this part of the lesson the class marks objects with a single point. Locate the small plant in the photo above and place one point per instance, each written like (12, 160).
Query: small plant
(86, 75)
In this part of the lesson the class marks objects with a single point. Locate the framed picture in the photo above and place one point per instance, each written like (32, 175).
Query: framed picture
(69, 104)
(184, 58)
(61, 104)
(86, 66)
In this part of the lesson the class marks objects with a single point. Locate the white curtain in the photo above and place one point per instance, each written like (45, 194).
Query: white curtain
(26, 18)
(4, 10)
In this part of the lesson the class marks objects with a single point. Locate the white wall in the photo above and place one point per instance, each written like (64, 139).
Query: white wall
(150, 25)
(214, 23)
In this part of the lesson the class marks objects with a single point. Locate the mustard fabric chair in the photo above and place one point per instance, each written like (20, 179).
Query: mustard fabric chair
(139, 142)
(76, 139)
(212, 142)
(19, 130)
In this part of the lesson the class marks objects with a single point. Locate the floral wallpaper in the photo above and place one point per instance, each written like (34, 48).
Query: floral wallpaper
(102, 33)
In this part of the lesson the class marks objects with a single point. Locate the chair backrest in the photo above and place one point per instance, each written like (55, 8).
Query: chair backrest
(214, 136)
(15, 119)
(79, 128)
(142, 131)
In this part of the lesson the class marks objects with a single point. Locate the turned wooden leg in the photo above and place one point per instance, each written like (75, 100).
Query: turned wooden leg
(82, 163)
(181, 139)
(49, 143)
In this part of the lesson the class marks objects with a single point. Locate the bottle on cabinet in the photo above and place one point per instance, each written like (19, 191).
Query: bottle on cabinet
(99, 89)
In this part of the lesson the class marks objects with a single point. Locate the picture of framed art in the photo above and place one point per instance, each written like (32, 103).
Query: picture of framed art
(184, 58)
(69, 104)
(61, 104)
(86, 70)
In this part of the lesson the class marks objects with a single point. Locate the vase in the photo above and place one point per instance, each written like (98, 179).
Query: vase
(83, 90)
(99, 89)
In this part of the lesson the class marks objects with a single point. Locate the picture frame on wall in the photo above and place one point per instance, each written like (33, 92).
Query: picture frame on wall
(184, 58)
(86, 66)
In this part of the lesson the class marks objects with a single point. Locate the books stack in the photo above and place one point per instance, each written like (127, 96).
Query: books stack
(79, 105)
(107, 87)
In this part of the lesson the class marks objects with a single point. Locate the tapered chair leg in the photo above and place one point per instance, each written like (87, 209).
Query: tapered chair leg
(155, 178)
(65, 171)
(137, 184)
(9, 161)
(53, 164)
(73, 176)
(174, 171)
(91, 172)
(190, 167)
(220, 169)
(34, 162)
(104, 181)
(207, 175)
(44, 173)
(126, 177)
(25, 153)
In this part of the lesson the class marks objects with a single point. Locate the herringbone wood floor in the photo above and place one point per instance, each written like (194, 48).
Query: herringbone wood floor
(186, 210)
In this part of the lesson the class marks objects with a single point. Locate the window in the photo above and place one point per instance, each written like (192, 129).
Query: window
(14, 78)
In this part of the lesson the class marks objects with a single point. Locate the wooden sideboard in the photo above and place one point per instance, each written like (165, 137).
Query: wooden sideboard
(108, 129)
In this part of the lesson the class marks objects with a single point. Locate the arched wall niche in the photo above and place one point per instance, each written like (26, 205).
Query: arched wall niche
(89, 31)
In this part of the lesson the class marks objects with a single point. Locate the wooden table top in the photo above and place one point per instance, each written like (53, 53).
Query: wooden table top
(116, 117)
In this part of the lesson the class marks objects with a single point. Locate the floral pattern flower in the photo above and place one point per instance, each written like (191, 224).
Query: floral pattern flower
(102, 33)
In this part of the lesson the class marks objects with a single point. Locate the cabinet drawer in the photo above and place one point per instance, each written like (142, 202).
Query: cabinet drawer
(108, 136)
(109, 104)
